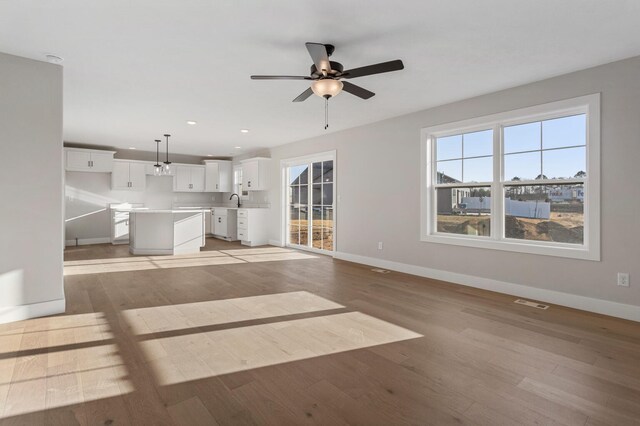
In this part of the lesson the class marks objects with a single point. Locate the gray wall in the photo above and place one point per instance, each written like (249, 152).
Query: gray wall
(30, 182)
(378, 180)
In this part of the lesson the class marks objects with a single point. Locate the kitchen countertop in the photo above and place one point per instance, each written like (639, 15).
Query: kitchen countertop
(167, 210)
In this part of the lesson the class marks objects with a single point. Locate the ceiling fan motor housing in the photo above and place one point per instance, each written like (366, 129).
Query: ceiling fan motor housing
(336, 68)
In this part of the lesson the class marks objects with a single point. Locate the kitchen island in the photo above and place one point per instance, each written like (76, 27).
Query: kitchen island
(154, 232)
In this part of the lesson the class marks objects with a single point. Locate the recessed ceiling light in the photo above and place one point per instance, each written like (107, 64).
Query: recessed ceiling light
(192, 123)
(244, 130)
(238, 147)
(53, 59)
(132, 147)
(209, 155)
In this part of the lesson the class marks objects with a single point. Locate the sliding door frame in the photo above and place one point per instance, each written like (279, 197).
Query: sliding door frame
(284, 199)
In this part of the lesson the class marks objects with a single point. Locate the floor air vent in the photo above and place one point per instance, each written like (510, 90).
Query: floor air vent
(381, 271)
(532, 304)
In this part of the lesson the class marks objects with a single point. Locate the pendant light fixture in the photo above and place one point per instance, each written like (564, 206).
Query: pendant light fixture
(157, 168)
(166, 170)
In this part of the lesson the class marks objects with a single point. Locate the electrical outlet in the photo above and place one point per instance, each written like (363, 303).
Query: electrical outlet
(379, 245)
(623, 279)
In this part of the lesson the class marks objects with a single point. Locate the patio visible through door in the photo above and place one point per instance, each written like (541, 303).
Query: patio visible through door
(310, 204)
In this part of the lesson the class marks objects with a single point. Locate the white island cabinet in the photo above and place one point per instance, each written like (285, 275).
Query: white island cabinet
(166, 231)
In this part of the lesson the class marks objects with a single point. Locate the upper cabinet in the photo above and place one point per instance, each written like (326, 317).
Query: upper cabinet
(88, 160)
(217, 176)
(189, 178)
(255, 174)
(129, 175)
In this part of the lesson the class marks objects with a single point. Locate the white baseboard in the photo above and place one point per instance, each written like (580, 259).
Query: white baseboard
(87, 241)
(599, 306)
(276, 243)
(34, 310)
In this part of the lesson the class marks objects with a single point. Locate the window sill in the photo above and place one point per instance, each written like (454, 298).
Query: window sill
(530, 247)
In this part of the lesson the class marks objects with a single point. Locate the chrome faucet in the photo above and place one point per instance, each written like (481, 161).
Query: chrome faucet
(231, 198)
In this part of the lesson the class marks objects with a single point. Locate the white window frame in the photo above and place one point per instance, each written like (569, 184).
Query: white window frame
(590, 250)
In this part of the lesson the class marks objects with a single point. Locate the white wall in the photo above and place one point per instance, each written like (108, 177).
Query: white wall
(88, 195)
(378, 180)
(31, 183)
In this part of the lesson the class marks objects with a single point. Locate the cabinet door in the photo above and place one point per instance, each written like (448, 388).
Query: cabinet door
(78, 160)
(224, 177)
(220, 226)
(197, 179)
(182, 179)
(250, 176)
(212, 178)
(101, 162)
(137, 176)
(120, 175)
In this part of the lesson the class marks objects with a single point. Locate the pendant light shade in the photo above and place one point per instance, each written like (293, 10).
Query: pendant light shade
(157, 168)
(166, 170)
(326, 87)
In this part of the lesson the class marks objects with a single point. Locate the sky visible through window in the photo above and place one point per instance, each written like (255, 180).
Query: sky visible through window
(551, 149)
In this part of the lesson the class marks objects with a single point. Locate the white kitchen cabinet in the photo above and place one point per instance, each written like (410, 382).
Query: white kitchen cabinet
(217, 176)
(255, 174)
(189, 178)
(224, 223)
(128, 175)
(88, 160)
(252, 227)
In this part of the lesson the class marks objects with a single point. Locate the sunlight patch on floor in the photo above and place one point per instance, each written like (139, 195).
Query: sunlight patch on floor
(59, 361)
(214, 312)
(199, 355)
(204, 258)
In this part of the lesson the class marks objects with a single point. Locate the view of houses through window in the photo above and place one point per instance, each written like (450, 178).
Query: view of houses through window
(310, 205)
(543, 185)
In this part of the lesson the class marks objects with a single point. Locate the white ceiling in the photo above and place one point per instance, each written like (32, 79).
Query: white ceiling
(137, 69)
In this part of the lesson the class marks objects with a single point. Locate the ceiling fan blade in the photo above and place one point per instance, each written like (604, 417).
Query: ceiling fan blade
(304, 95)
(357, 90)
(319, 55)
(374, 69)
(280, 77)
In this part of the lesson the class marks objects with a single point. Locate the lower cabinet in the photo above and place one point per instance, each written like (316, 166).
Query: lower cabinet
(252, 227)
(223, 223)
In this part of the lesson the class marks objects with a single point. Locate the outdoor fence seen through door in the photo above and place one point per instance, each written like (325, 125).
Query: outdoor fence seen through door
(310, 221)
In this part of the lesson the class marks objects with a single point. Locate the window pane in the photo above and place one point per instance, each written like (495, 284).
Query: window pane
(449, 171)
(317, 172)
(478, 169)
(565, 131)
(477, 144)
(523, 137)
(295, 195)
(465, 211)
(304, 176)
(327, 228)
(545, 213)
(449, 147)
(327, 171)
(522, 166)
(564, 163)
(295, 172)
(304, 225)
(317, 193)
(327, 194)
(316, 227)
(294, 225)
(304, 193)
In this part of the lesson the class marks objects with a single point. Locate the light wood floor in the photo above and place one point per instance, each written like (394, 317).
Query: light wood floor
(272, 336)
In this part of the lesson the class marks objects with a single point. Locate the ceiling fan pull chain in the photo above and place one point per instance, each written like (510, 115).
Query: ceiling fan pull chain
(326, 113)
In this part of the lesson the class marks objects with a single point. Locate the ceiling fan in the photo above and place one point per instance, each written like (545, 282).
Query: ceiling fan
(326, 75)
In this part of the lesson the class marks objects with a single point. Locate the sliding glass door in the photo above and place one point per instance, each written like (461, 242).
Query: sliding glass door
(310, 204)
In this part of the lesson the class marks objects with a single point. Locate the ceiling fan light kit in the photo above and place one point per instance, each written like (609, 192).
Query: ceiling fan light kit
(327, 87)
(326, 75)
